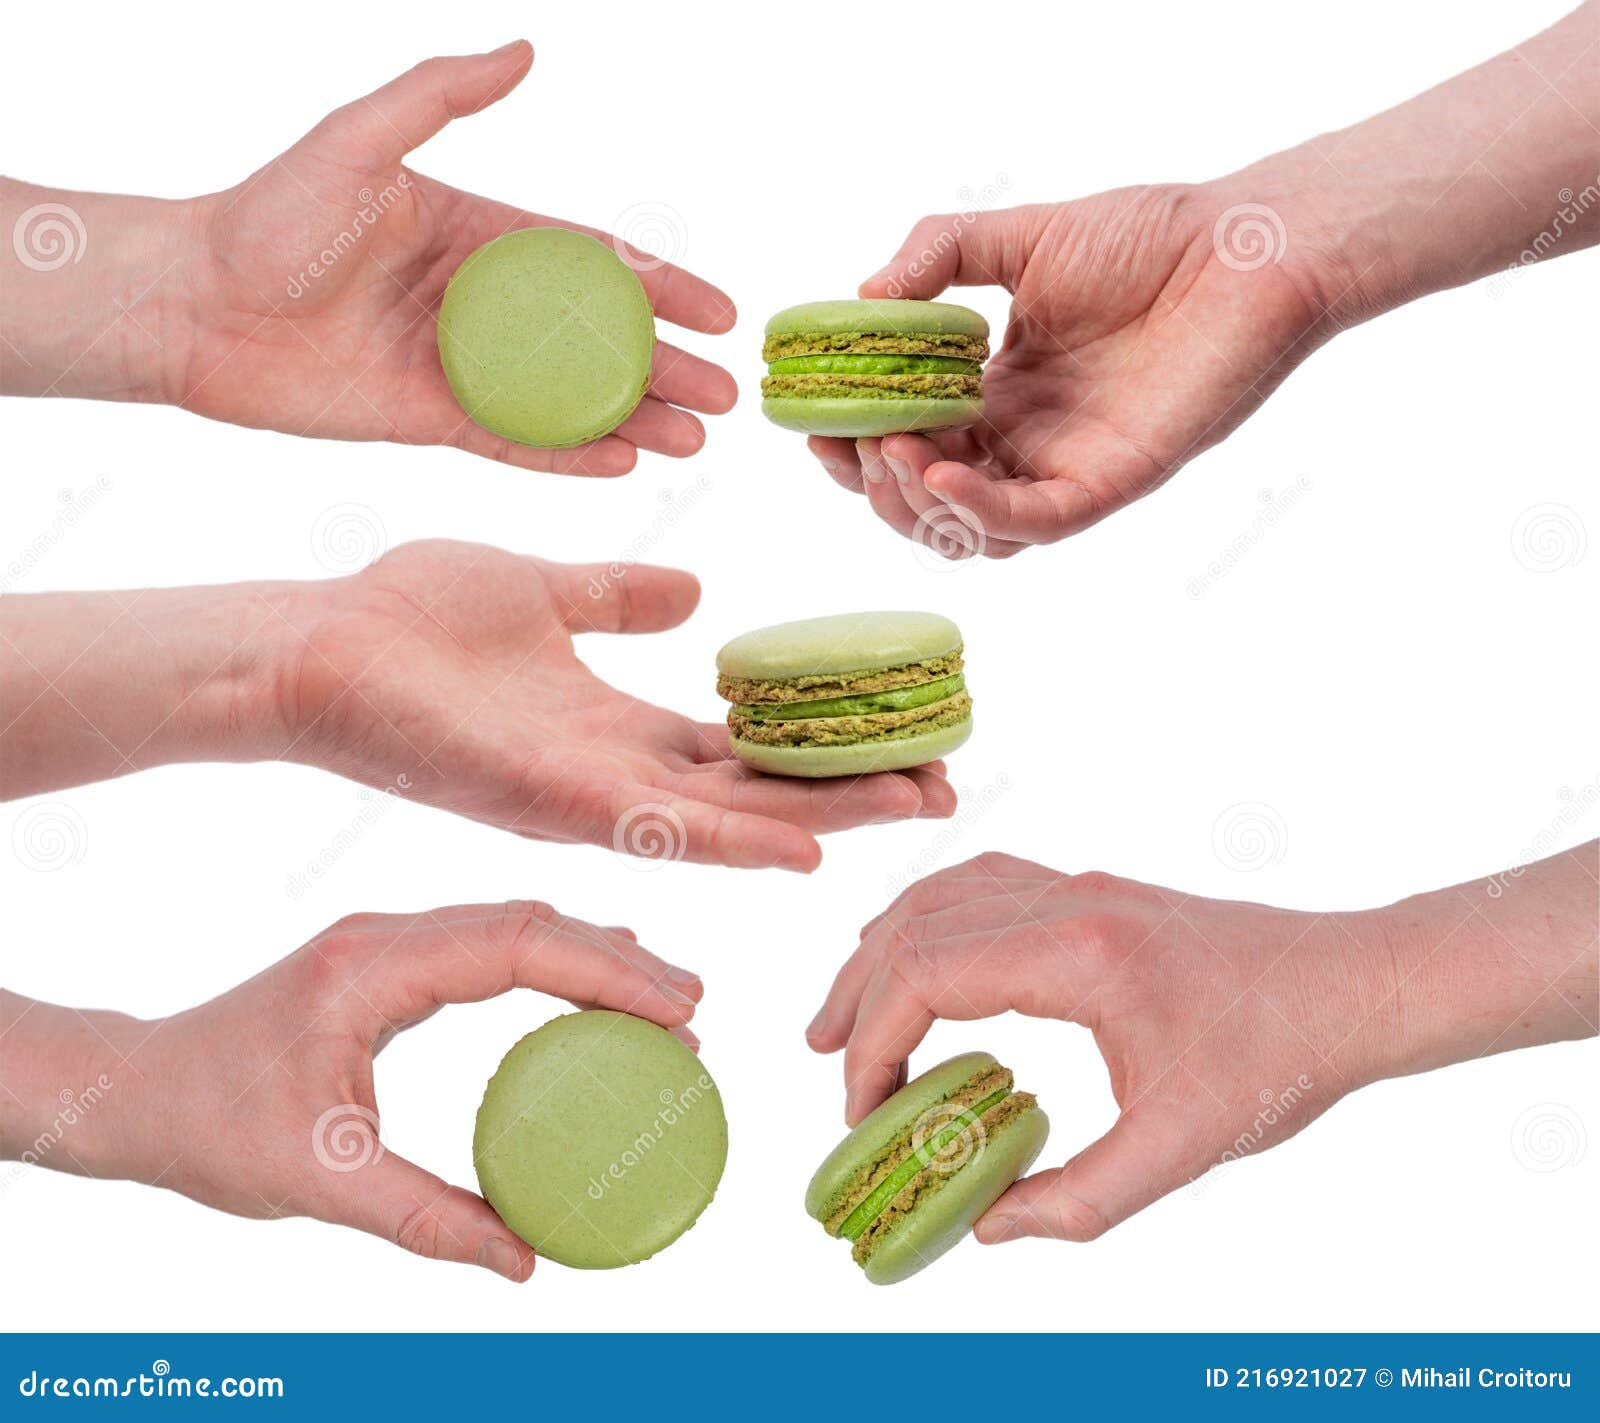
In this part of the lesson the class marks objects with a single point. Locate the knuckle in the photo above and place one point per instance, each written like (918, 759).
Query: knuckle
(1095, 882)
(1074, 1219)
(420, 1233)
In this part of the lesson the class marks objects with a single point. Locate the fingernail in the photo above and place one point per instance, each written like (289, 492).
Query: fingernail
(872, 469)
(498, 1255)
(995, 1230)
(900, 469)
(683, 976)
(833, 467)
(507, 48)
(815, 1026)
(669, 992)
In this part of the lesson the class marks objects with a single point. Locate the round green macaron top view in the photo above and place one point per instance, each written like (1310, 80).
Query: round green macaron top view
(846, 695)
(600, 1140)
(546, 337)
(915, 1175)
(874, 367)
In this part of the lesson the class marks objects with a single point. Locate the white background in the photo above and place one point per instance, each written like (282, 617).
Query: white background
(1383, 671)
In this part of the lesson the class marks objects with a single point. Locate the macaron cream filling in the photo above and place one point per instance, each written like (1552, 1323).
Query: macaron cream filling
(863, 704)
(857, 1222)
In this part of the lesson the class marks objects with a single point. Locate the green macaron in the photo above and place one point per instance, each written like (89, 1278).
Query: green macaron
(846, 695)
(600, 1139)
(914, 1177)
(546, 337)
(877, 367)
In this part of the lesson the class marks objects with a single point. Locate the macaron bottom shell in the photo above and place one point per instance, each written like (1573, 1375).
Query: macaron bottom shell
(855, 417)
(943, 1217)
(860, 758)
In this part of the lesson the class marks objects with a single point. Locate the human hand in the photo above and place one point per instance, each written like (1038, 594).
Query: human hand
(446, 673)
(1134, 343)
(261, 1102)
(452, 665)
(1225, 1027)
(1147, 323)
(305, 299)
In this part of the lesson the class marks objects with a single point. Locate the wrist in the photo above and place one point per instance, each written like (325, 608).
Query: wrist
(63, 1071)
(1490, 965)
(94, 294)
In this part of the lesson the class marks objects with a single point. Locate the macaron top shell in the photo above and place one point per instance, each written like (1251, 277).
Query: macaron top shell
(600, 1139)
(833, 318)
(844, 642)
(546, 337)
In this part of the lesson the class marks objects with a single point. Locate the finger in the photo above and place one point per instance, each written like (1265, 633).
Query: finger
(1037, 512)
(396, 1200)
(960, 249)
(831, 1026)
(660, 824)
(839, 458)
(620, 597)
(686, 380)
(938, 795)
(377, 131)
(683, 1033)
(952, 530)
(605, 458)
(655, 425)
(884, 491)
(525, 944)
(1143, 1157)
(976, 975)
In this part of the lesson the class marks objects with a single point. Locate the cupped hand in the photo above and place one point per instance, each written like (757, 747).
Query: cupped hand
(1141, 332)
(261, 1102)
(315, 285)
(446, 672)
(1225, 1027)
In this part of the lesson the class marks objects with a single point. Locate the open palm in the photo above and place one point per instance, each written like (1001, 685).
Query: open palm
(1140, 334)
(446, 672)
(317, 288)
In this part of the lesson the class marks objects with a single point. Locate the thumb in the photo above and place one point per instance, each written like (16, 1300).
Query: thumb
(621, 597)
(399, 1201)
(378, 130)
(964, 249)
(1138, 1161)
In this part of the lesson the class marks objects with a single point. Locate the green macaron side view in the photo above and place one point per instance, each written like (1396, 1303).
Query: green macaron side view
(874, 367)
(846, 695)
(913, 1178)
(546, 337)
(600, 1140)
